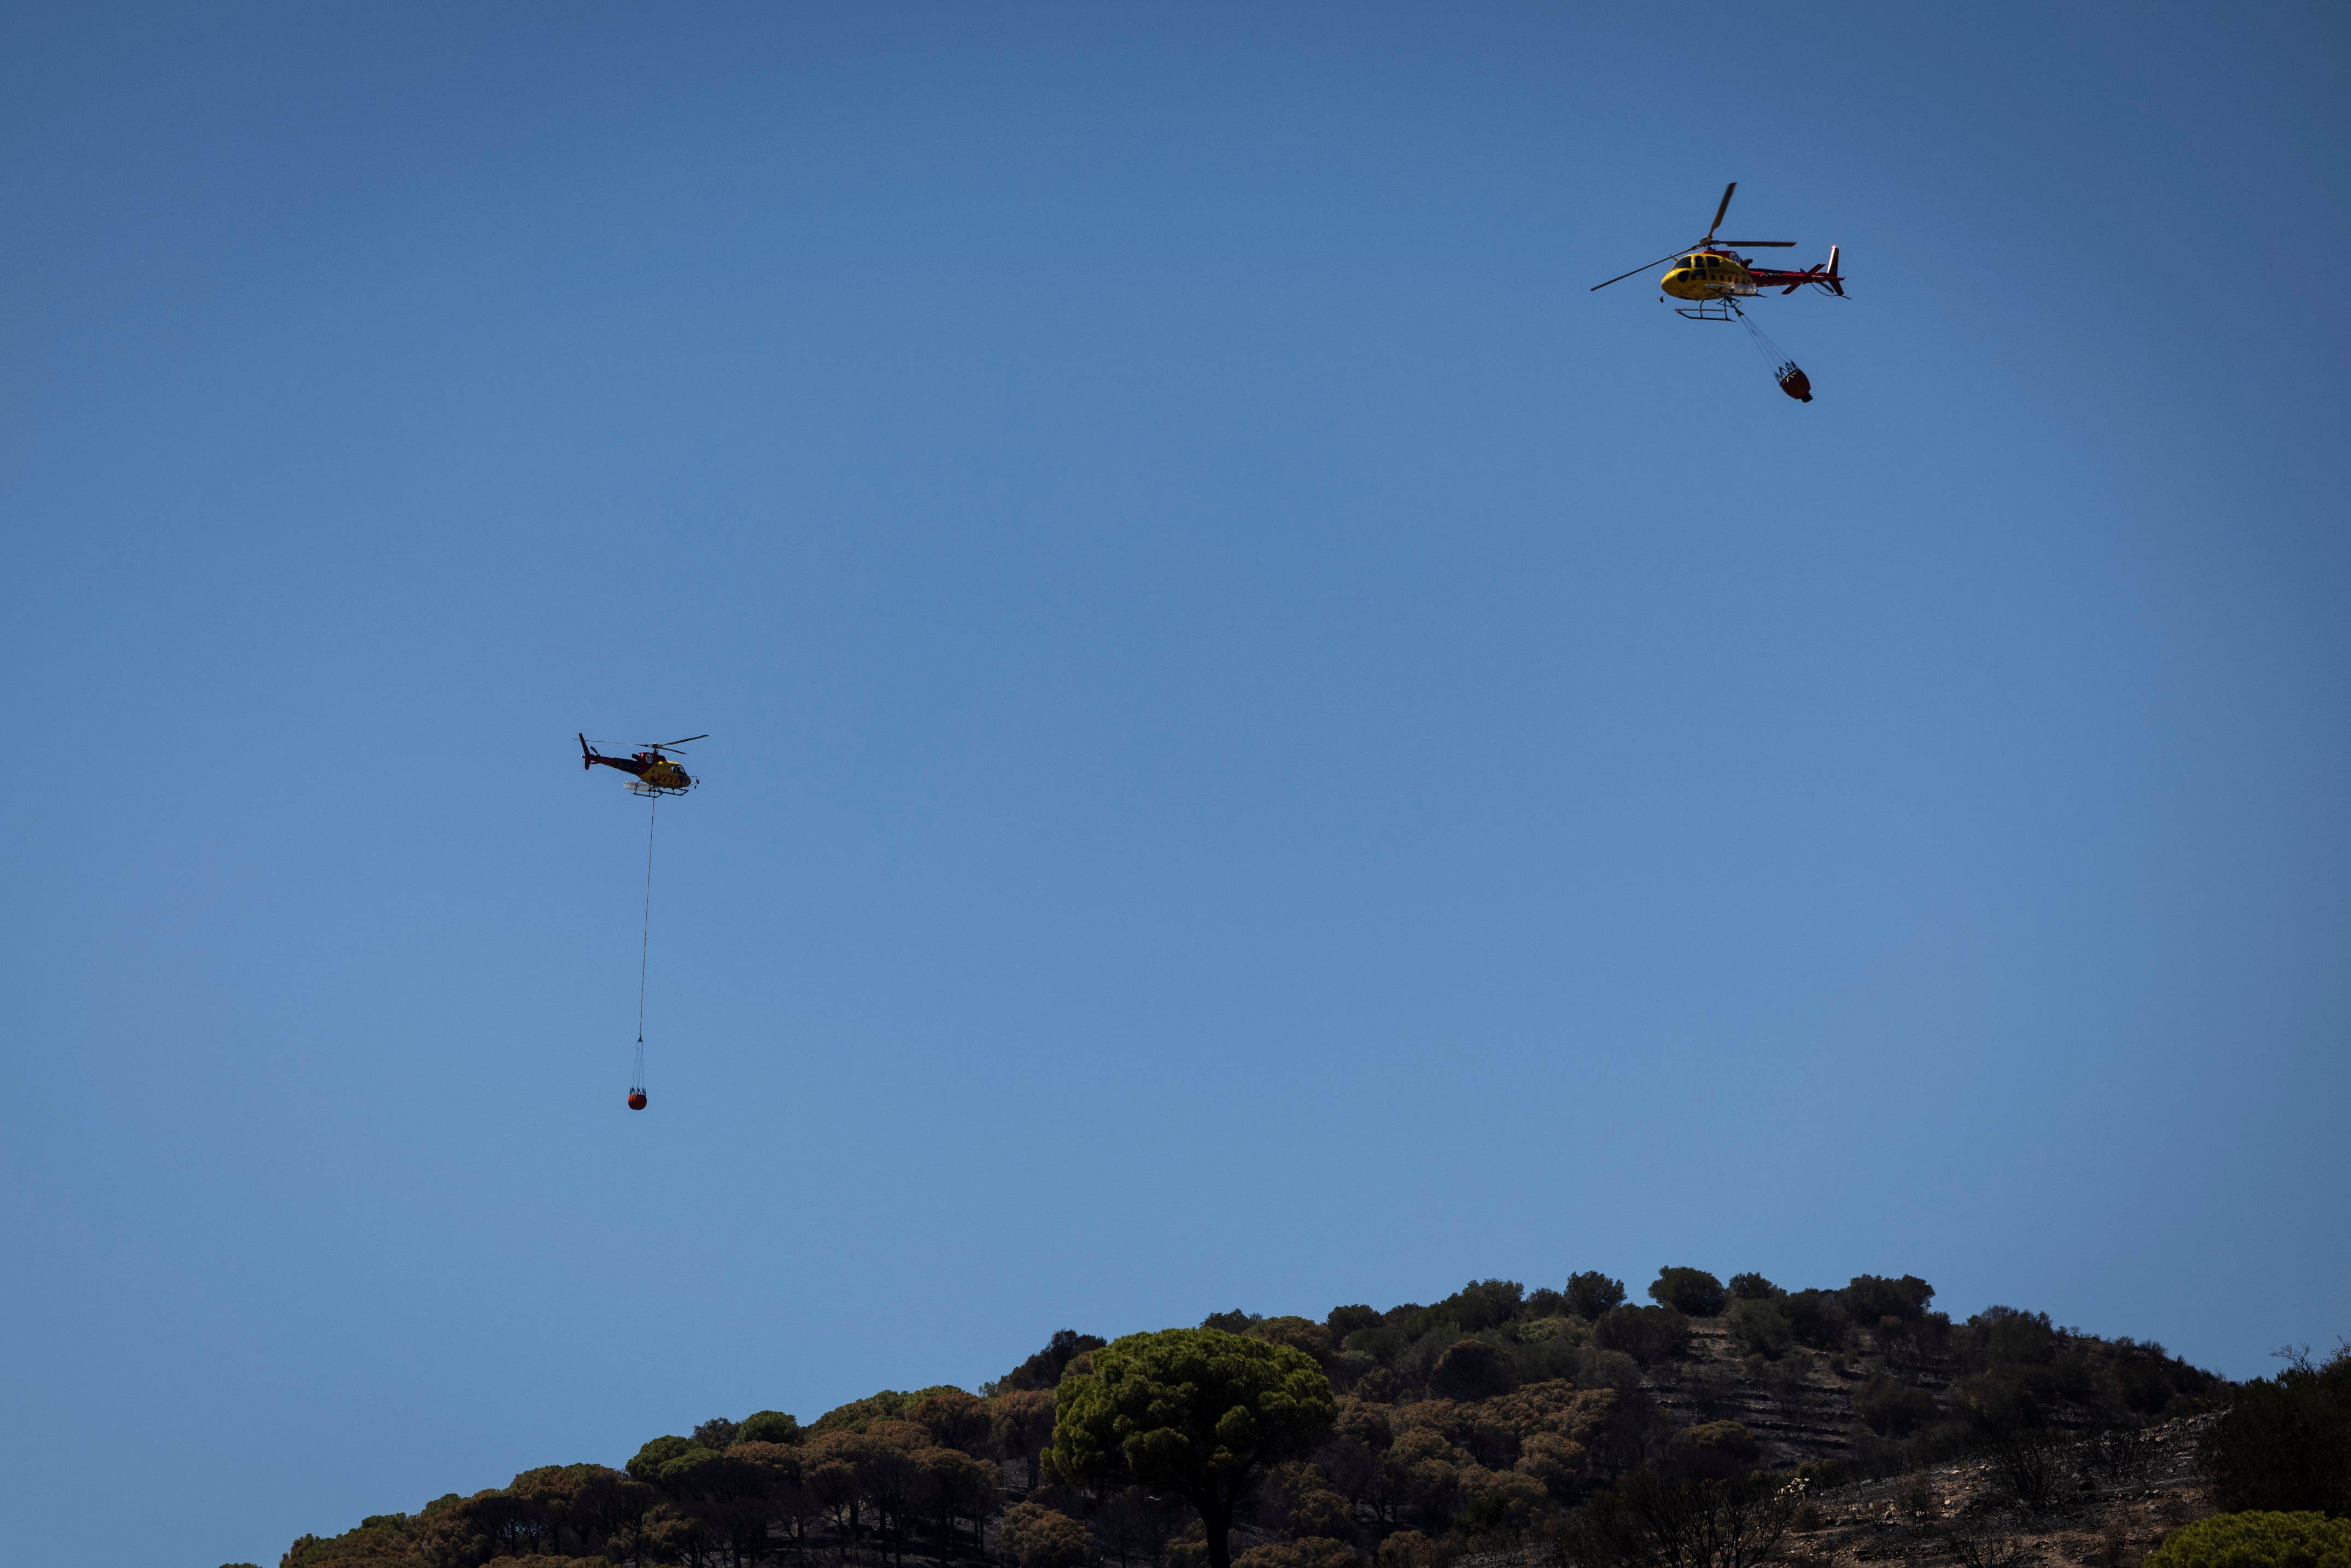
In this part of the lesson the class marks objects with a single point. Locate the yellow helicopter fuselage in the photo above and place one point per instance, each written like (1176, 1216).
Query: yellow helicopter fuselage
(1708, 275)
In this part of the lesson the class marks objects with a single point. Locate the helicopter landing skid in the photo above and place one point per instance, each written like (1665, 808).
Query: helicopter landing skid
(1724, 310)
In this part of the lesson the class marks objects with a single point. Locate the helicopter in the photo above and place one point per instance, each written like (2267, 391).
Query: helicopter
(1713, 277)
(654, 773)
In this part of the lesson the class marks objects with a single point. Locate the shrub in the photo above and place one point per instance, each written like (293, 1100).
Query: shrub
(1542, 1301)
(1594, 1295)
(1470, 1369)
(2027, 1463)
(1038, 1537)
(2261, 1539)
(1598, 1368)
(1307, 1552)
(2144, 1380)
(1344, 1321)
(1503, 1505)
(1716, 1449)
(1691, 1290)
(1754, 1288)
(1759, 1327)
(2285, 1443)
(1892, 1408)
(1646, 1333)
(1996, 1401)
(1650, 1518)
(1407, 1549)
(1542, 1357)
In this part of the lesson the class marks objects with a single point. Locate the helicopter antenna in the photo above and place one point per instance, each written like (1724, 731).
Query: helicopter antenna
(1643, 267)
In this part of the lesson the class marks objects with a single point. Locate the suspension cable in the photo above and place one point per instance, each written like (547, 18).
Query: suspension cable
(645, 944)
(1773, 355)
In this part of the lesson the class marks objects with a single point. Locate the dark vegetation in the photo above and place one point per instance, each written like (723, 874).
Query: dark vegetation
(2285, 1443)
(1567, 1426)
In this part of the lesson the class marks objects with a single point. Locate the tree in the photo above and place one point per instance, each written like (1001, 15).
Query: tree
(657, 1453)
(1022, 1424)
(1594, 1295)
(1753, 1288)
(383, 1542)
(954, 1419)
(1646, 1333)
(1892, 1408)
(1298, 1333)
(1869, 1299)
(731, 1497)
(784, 1490)
(891, 1477)
(1197, 1411)
(834, 1479)
(1817, 1318)
(1044, 1369)
(958, 1487)
(1692, 1291)
(769, 1427)
(2285, 1444)
(1485, 1304)
(1759, 1327)
(1132, 1523)
(1470, 1369)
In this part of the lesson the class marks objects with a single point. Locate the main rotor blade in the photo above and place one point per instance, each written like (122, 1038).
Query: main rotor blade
(1759, 244)
(705, 735)
(1720, 210)
(1643, 267)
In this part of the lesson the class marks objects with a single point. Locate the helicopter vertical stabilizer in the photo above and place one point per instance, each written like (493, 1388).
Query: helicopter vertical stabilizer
(1835, 281)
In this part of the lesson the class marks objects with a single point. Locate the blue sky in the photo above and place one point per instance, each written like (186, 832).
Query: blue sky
(1268, 749)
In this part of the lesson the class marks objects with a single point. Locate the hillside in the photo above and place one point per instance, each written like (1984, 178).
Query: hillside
(1499, 1421)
